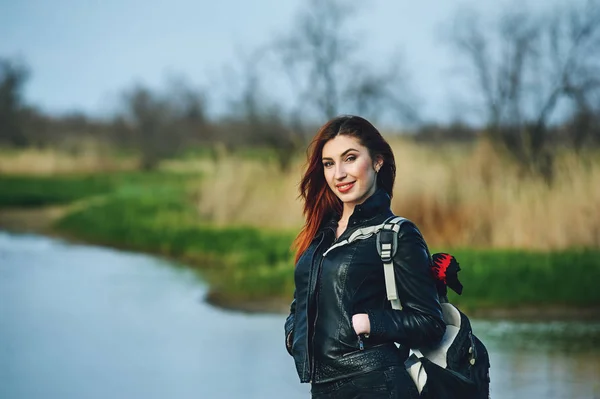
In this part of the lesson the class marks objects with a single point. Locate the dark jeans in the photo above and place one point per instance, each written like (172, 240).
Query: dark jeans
(388, 383)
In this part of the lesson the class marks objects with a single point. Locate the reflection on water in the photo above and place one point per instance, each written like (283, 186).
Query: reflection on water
(571, 336)
(79, 322)
(543, 359)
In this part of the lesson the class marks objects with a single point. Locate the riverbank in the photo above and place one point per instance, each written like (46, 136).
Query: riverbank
(27, 220)
(251, 269)
(42, 220)
(155, 213)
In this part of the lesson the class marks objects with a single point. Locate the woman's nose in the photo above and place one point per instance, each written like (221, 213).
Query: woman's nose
(340, 172)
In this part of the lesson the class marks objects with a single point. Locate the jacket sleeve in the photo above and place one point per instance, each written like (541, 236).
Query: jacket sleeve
(289, 326)
(420, 322)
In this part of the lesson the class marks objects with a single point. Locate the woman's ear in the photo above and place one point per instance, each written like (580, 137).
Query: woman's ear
(378, 163)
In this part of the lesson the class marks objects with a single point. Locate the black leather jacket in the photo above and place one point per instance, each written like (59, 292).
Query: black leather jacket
(349, 280)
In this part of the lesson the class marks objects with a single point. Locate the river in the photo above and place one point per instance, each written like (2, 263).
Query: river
(85, 322)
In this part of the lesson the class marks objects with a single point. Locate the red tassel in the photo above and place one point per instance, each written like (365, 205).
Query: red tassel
(441, 262)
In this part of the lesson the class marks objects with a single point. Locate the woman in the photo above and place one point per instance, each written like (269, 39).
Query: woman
(341, 328)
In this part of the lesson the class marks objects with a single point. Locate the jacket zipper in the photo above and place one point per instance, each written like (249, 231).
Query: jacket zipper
(311, 349)
(361, 344)
(312, 367)
(309, 345)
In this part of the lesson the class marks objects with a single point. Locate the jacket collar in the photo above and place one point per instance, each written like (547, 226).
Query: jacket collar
(376, 204)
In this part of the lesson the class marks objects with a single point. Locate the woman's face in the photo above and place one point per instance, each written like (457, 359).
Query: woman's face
(349, 169)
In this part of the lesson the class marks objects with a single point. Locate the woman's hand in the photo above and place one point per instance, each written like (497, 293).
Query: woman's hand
(361, 323)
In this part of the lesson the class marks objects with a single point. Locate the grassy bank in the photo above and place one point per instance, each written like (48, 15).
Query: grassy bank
(249, 265)
(156, 213)
(239, 262)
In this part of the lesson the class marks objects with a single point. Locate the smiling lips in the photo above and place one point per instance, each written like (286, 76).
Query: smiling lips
(345, 187)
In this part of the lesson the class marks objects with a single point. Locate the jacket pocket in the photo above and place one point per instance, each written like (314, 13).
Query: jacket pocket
(359, 347)
(347, 336)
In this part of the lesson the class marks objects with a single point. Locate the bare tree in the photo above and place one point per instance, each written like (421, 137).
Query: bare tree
(148, 118)
(162, 124)
(314, 54)
(376, 93)
(526, 68)
(321, 57)
(13, 76)
(188, 108)
(254, 119)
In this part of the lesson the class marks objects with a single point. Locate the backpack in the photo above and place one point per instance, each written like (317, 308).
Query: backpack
(458, 366)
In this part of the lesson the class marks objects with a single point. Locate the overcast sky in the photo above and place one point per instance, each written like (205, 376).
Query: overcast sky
(83, 53)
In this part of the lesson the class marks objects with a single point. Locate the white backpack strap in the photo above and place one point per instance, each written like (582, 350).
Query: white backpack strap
(359, 234)
(387, 243)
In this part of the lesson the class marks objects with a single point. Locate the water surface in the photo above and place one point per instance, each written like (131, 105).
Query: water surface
(80, 322)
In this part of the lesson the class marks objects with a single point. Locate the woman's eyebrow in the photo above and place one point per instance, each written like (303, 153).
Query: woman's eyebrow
(343, 153)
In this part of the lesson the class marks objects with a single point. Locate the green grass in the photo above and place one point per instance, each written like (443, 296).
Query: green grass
(520, 278)
(155, 212)
(33, 191)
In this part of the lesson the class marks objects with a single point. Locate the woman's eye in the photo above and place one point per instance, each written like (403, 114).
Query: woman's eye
(350, 158)
(327, 164)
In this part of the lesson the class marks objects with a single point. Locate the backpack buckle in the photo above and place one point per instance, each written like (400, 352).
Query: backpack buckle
(387, 242)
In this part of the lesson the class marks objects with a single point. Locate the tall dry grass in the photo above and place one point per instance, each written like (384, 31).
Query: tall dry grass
(459, 196)
(37, 162)
(239, 191)
(475, 197)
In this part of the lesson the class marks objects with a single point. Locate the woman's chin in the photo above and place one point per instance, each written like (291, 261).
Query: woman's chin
(349, 198)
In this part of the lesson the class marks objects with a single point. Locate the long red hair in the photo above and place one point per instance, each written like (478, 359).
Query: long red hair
(320, 202)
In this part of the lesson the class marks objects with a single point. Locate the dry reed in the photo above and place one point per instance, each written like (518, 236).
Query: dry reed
(250, 192)
(459, 196)
(38, 162)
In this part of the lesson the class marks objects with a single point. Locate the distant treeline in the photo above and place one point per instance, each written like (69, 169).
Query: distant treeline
(536, 80)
